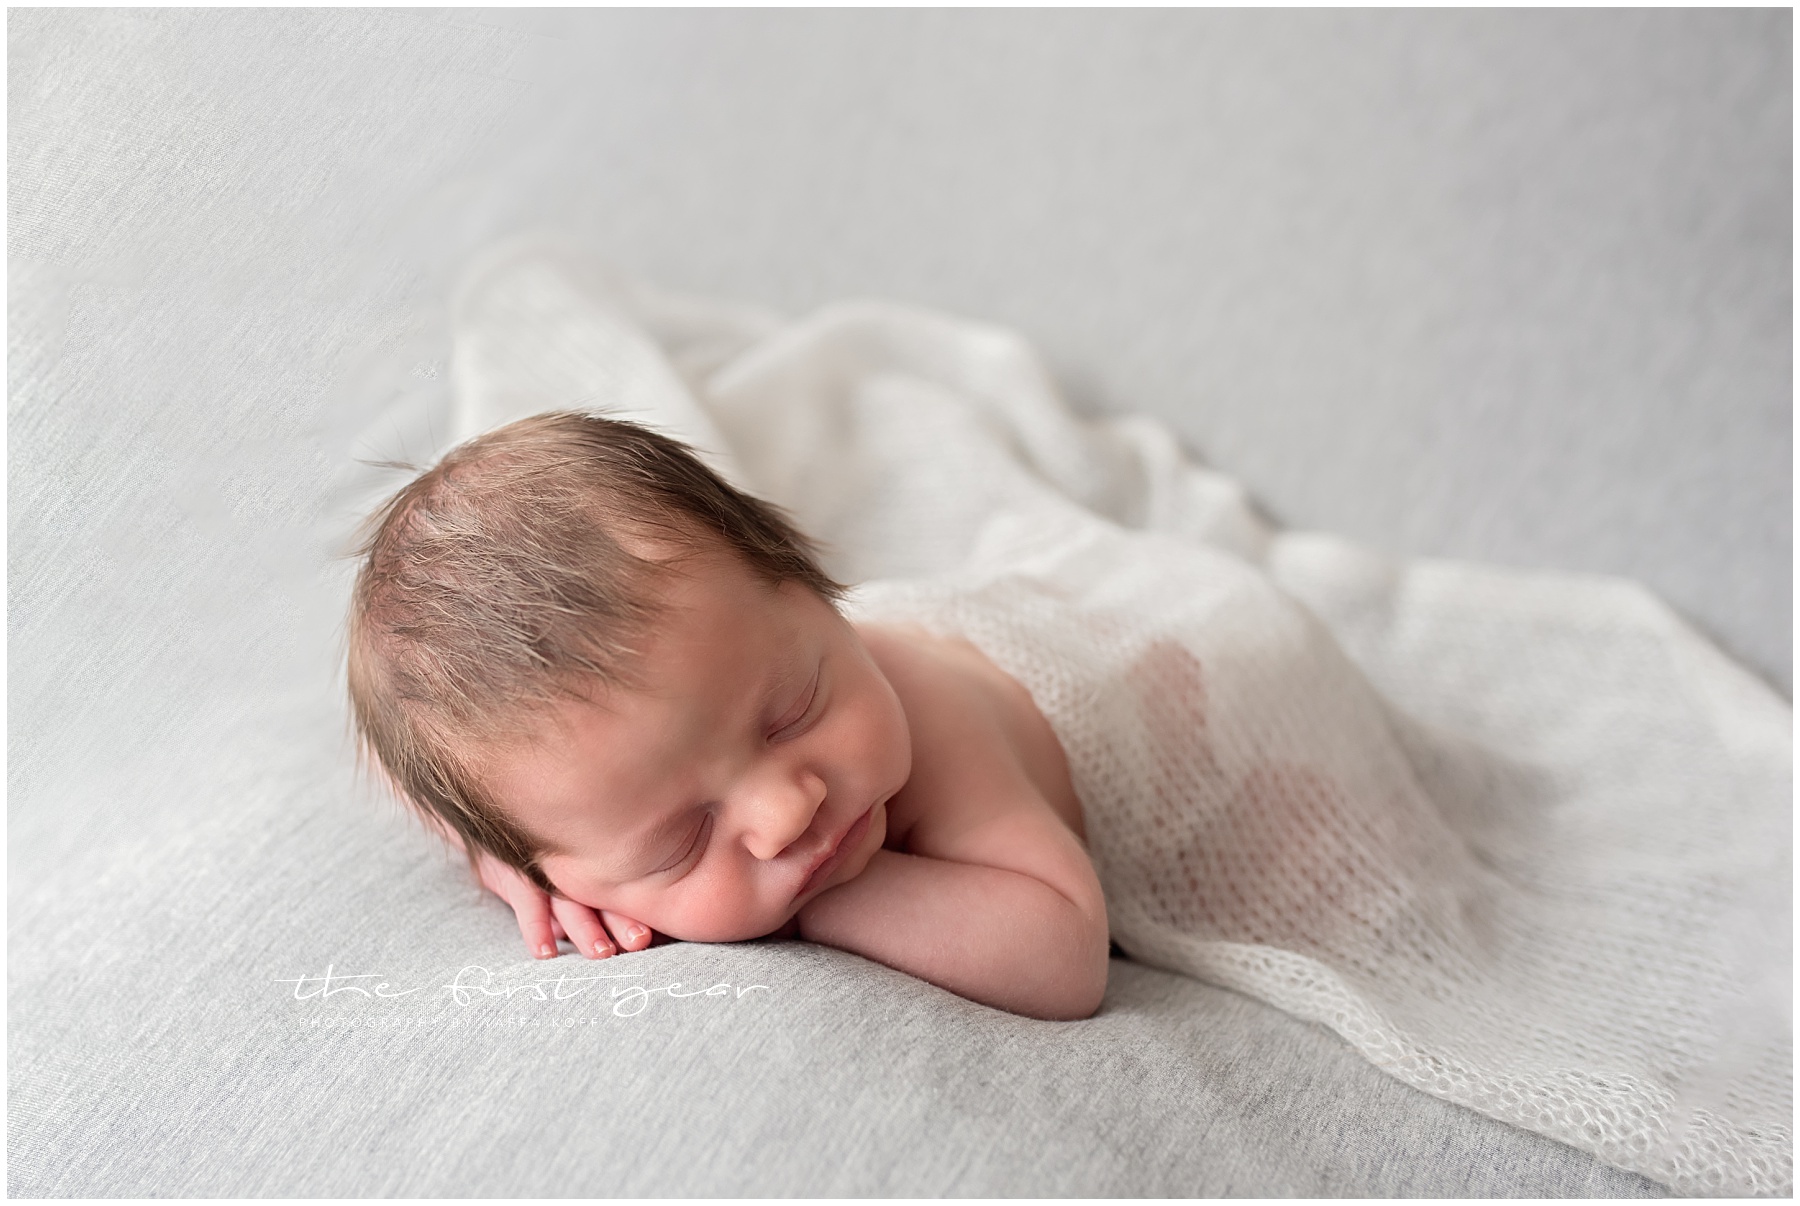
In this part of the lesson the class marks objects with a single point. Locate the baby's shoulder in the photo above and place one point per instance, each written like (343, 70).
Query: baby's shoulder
(918, 660)
(948, 686)
(977, 734)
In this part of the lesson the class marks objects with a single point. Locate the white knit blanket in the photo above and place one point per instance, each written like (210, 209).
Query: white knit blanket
(1523, 840)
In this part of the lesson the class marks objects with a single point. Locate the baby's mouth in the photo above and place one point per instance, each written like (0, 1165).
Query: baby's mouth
(844, 845)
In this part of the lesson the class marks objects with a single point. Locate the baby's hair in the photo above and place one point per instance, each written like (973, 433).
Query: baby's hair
(500, 580)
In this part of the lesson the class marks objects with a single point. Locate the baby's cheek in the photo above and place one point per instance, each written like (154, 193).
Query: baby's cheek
(585, 894)
(891, 746)
(721, 905)
(880, 720)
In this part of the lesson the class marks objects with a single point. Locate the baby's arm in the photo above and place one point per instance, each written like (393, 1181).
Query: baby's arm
(1011, 916)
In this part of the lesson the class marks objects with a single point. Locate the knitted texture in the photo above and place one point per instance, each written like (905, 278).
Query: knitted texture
(1258, 822)
(1523, 840)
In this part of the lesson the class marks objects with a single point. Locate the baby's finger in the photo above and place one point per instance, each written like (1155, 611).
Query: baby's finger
(533, 912)
(631, 935)
(583, 927)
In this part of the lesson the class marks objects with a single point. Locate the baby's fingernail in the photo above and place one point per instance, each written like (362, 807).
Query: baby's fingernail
(602, 950)
(635, 932)
(546, 951)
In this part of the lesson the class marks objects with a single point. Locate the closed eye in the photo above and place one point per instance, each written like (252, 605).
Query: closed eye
(695, 844)
(792, 724)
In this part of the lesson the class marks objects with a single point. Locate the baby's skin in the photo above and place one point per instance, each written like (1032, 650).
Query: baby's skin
(774, 769)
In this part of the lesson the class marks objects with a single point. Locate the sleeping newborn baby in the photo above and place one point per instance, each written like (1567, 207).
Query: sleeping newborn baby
(629, 692)
(1501, 832)
(623, 688)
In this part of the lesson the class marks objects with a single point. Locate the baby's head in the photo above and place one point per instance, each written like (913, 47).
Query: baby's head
(576, 647)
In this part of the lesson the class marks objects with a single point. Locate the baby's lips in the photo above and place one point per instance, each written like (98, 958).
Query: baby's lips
(829, 861)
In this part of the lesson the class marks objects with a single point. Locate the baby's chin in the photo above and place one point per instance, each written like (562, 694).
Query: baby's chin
(748, 931)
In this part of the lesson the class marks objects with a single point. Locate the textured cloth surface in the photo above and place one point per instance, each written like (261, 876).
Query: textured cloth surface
(1554, 893)
(1523, 275)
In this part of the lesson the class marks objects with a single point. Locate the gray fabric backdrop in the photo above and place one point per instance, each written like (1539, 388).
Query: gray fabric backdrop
(1508, 286)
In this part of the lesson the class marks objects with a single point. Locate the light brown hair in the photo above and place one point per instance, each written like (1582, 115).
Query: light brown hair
(496, 582)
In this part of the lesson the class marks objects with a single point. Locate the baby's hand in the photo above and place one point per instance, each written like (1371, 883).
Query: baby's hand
(544, 918)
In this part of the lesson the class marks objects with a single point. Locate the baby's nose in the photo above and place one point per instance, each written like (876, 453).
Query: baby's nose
(784, 811)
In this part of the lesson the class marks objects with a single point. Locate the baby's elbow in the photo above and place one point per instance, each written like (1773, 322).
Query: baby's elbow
(1081, 985)
(1082, 1001)
(1073, 1001)
(1092, 991)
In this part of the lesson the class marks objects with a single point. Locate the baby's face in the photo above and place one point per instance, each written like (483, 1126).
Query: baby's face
(747, 773)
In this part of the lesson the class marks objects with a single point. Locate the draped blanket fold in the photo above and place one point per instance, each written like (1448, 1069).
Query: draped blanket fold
(1523, 840)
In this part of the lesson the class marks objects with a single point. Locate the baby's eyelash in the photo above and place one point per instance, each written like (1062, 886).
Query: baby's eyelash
(812, 697)
(697, 842)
